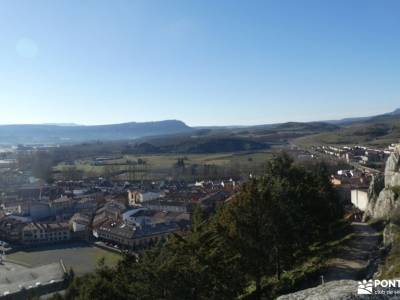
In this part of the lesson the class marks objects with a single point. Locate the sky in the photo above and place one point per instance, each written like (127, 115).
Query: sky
(205, 62)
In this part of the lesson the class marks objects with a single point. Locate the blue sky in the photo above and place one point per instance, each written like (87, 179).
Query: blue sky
(203, 62)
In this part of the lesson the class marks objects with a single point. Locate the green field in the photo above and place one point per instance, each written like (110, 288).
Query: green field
(377, 132)
(81, 257)
(159, 165)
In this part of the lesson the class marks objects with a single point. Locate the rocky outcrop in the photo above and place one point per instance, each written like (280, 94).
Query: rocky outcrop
(377, 185)
(383, 202)
(375, 188)
(338, 290)
(392, 169)
(385, 205)
(390, 233)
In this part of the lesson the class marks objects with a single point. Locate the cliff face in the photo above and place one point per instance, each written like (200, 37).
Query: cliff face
(392, 169)
(376, 187)
(384, 197)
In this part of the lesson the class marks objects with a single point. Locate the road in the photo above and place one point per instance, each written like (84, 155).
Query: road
(353, 260)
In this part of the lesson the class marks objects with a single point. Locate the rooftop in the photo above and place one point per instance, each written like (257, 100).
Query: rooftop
(14, 277)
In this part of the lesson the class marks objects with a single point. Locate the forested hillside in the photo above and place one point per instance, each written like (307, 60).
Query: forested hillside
(380, 131)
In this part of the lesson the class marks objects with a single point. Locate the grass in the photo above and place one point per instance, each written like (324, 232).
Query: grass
(81, 257)
(160, 165)
(379, 133)
(317, 260)
(306, 272)
(396, 190)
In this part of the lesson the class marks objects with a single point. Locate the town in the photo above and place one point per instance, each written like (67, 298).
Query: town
(131, 215)
(122, 215)
(69, 214)
(110, 215)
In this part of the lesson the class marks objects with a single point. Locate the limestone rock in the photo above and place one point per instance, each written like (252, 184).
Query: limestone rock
(392, 168)
(376, 186)
(394, 180)
(386, 203)
(338, 290)
(391, 230)
(382, 206)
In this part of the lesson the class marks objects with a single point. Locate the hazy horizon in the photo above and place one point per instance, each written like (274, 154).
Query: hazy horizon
(205, 63)
(69, 124)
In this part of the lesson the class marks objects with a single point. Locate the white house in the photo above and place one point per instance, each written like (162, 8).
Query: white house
(79, 222)
(136, 197)
(359, 198)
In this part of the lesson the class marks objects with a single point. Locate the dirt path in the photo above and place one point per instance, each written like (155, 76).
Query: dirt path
(354, 259)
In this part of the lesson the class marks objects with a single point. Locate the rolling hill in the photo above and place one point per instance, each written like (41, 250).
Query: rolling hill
(173, 136)
(49, 134)
(380, 131)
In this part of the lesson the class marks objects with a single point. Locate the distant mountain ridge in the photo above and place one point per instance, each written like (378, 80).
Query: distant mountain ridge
(56, 133)
(348, 121)
(247, 137)
(61, 124)
(396, 112)
(325, 123)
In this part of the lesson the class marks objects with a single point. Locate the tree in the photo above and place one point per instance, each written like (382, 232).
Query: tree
(71, 173)
(42, 165)
(109, 171)
(179, 167)
(274, 220)
(246, 223)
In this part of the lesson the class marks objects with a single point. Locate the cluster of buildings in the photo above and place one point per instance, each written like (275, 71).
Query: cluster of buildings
(118, 214)
(364, 156)
(365, 162)
(352, 186)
